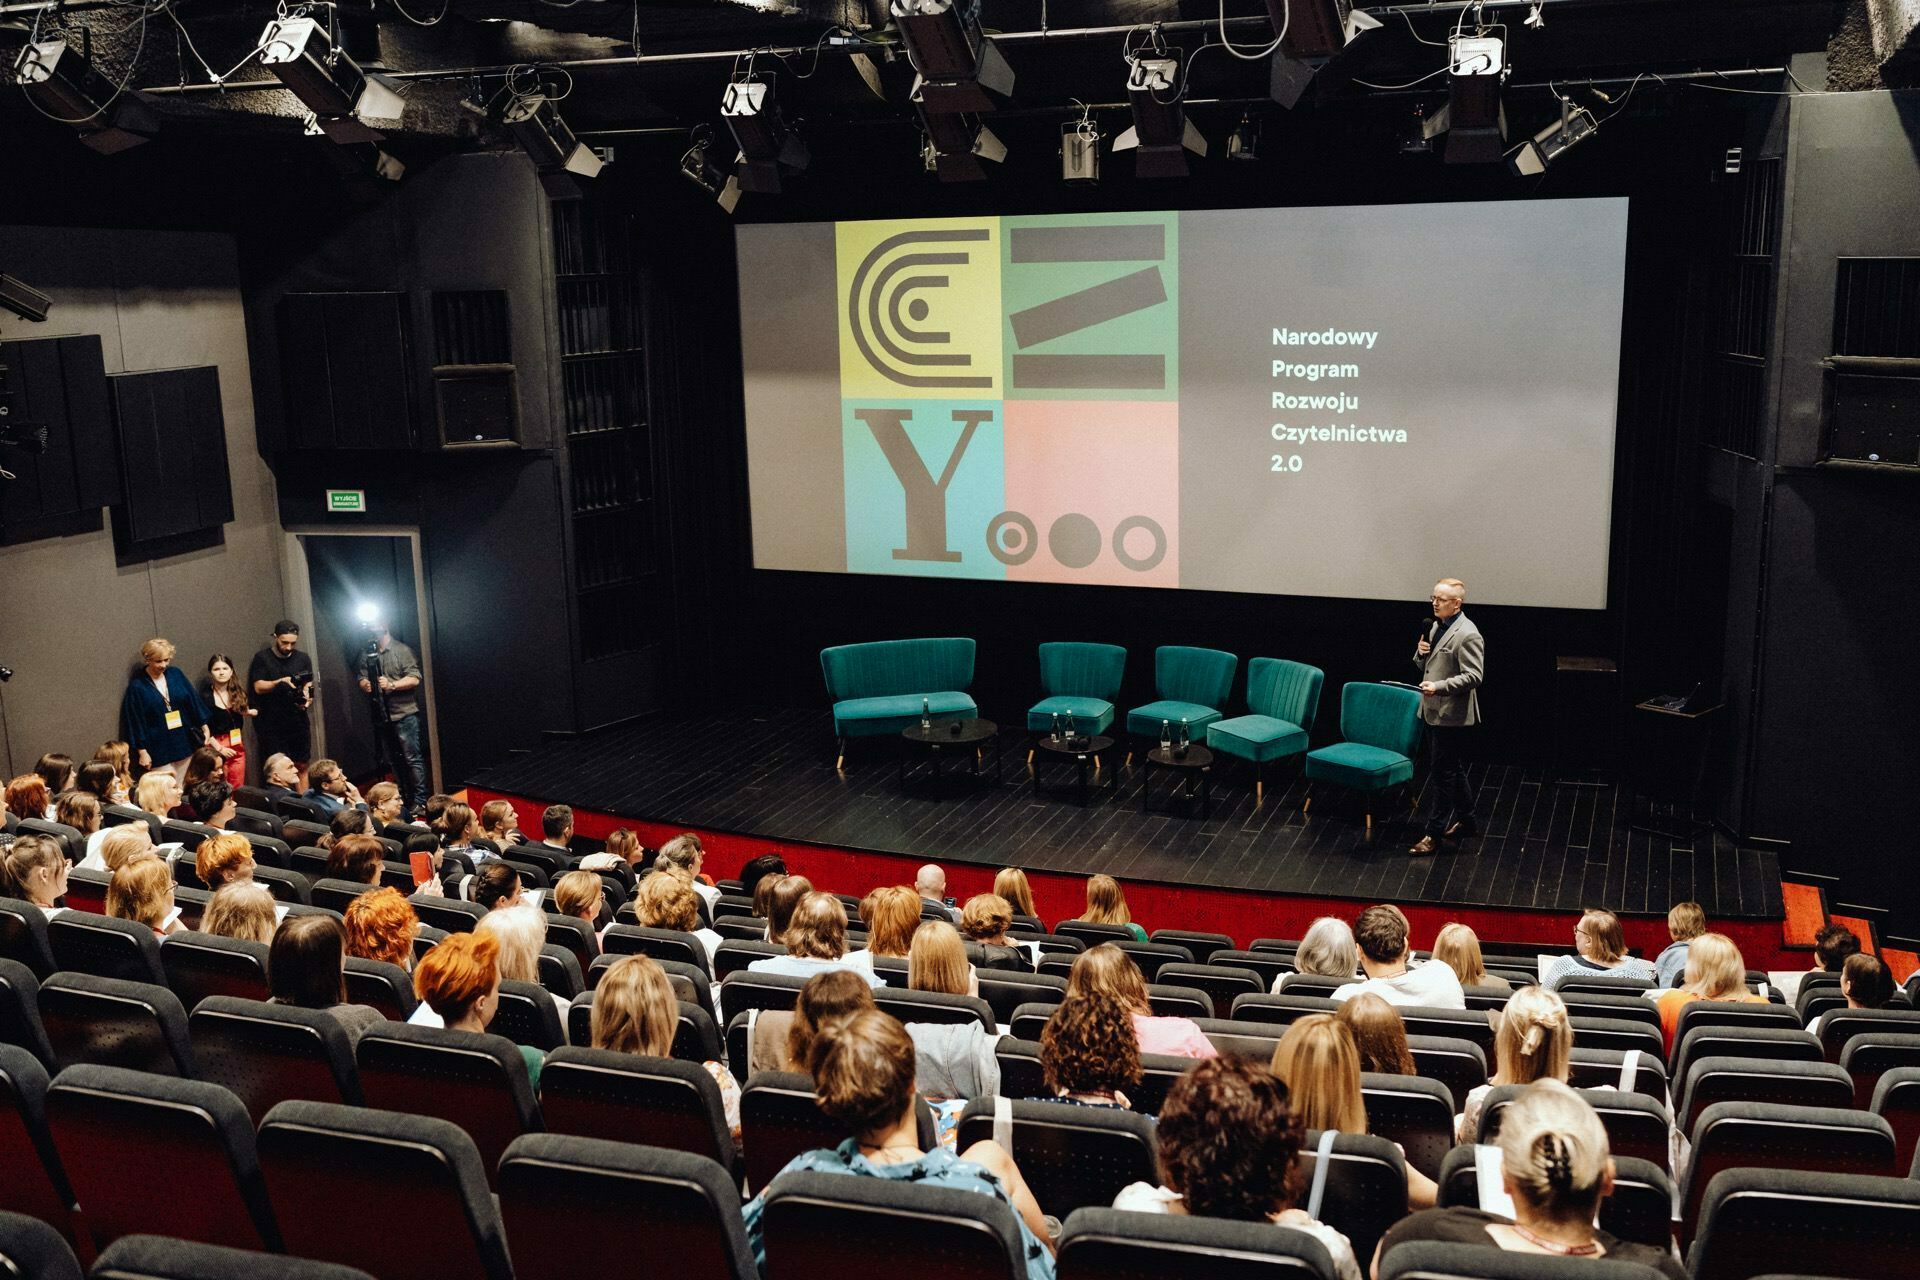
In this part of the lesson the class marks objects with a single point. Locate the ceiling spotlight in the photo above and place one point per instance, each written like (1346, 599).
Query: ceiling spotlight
(334, 89)
(766, 142)
(58, 79)
(1161, 130)
(23, 299)
(1474, 120)
(536, 125)
(699, 167)
(1080, 150)
(1575, 125)
(956, 68)
(1244, 142)
(955, 146)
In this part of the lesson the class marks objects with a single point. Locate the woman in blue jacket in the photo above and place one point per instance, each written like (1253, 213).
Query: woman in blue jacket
(164, 717)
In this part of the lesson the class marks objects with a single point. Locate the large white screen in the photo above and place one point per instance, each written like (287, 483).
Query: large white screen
(1328, 401)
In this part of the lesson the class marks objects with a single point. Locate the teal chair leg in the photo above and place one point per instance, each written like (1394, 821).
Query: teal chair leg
(840, 756)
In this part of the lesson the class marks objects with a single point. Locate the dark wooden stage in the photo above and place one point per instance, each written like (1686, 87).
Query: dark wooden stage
(1542, 847)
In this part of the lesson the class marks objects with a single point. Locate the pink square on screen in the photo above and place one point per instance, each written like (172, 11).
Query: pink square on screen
(1108, 462)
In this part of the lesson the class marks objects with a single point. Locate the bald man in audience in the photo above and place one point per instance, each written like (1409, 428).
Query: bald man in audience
(931, 884)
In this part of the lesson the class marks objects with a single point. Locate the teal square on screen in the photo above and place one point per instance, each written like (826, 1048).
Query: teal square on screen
(900, 519)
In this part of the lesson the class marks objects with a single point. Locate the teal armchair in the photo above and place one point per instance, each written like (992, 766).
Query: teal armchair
(878, 688)
(1080, 680)
(1192, 685)
(1381, 727)
(1282, 699)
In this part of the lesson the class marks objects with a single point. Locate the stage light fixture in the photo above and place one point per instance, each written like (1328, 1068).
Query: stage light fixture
(332, 86)
(536, 125)
(1080, 151)
(699, 167)
(1244, 142)
(1161, 132)
(956, 68)
(956, 144)
(21, 298)
(1575, 125)
(1474, 120)
(58, 79)
(766, 142)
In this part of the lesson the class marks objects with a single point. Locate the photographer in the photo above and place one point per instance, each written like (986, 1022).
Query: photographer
(282, 681)
(398, 673)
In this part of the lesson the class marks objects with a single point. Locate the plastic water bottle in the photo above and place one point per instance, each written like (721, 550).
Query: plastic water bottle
(1166, 735)
(1056, 726)
(1072, 732)
(926, 716)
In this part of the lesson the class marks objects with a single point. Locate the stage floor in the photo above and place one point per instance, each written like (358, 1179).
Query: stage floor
(1543, 846)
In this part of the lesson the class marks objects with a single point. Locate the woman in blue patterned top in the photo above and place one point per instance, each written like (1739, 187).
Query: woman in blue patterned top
(863, 1072)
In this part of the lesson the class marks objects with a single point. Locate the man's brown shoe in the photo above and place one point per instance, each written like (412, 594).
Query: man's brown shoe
(1423, 847)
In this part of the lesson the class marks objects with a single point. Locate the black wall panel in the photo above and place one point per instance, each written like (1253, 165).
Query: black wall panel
(173, 440)
(344, 362)
(60, 383)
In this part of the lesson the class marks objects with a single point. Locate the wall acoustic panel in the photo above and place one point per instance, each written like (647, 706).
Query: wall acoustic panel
(61, 384)
(173, 441)
(343, 357)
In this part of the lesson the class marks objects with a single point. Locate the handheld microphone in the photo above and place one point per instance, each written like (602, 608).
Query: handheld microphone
(1427, 624)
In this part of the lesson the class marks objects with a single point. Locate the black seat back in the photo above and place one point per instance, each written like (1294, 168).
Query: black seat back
(36, 1182)
(1281, 1011)
(1621, 1034)
(1460, 1065)
(575, 1206)
(1413, 1111)
(71, 842)
(450, 914)
(1093, 934)
(1871, 1054)
(158, 1258)
(821, 1224)
(1731, 1135)
(1637, 1126)
(1268, 964)
(108, 1121)
(20, 1023)
(931, 1006)
(1719, 1040)
(1896, 1099)
(265, 1054)
(29, 1247)
(1762, 1221)
(324, 1164)
(1451, 1024)
(1797, 1084)
(1201, 945)
(1611, 1004)
(1072, 1157)
(779, 1119)
(1590, 1068)
(1222, 984)
(1153, 956)
(745, 990)
(474, 1080)
(289, 887)
(576, 936)
(382, 985)
(137, 1025)
(106, 947)
(1005, 990)
(661, 944)
(199, 965)
(1640, 1208)
(1730, 1013)
(1435, 1260)
(1842, 1025)
(527, 1015)
(1366, 1186)
(23, 936)
(254, 820)
(1314, 984)
(1111, 1244)
(624, 1097)
(735, 954)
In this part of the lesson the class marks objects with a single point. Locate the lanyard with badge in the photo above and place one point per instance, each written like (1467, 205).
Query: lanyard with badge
(174, 720)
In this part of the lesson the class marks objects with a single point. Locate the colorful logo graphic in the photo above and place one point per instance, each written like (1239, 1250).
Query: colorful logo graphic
(990, 370)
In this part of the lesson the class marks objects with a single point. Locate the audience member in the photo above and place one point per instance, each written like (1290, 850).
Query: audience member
(634, 1011)
(223, 859)
(956, 1060)
(347, 822)
(142, 891)
(225, 699)
(157, 792)
(1556, 1166)
(432, 810)
(582, 895)
(1831, 947)
(1228, 1142)
(668, 902)
(500, 824)
(495, 885)
(356, 858)
(281, 775)
(1011, 884)
(1532, 1041)
(863, 1071)
(97, 779)
(758, 869)
(783, 1041)
(521, 931)
(1328, 951)
(985, 920)
(1715, 971)
(212, 803)
(1866, 983)
(1385, 957)
(684, 853)
(1685, 922)
(204, 765)
(460, 827)
(242, 909)
(55, 768)
(1090, 1053)
(33, 869)
(280, 678)
(1458, 947)
(27, 795)
(458, 983)
(306, 967)
(624, 855)
(383, 805)
(1602, 953)
(118, 845)
(816, 939)
(1379, 1034)
(330, 788)
(556, 827)
(1320, 1064)
(1107, 904)
(381, 925)
(930, 882)
(892, 913)
(116, 755)
(1107, 970)
(79, 810)
(785, 895)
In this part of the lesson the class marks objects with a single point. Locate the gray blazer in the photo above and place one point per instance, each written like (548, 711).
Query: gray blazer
(1456, 666)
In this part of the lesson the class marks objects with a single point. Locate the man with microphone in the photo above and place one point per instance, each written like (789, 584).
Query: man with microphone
(1451, 656)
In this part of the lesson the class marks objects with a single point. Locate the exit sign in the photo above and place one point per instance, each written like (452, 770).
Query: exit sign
(343, 501)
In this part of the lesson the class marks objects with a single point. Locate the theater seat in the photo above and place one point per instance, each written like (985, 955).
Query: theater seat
(1733, 1135)
(108, 1022)
(527, 1015)
(576, 1206)
(20, 1024)
(153, 1155)
(106, 947)
(661, 944)
(744, 990)
(1871, 1054)
(1201, 945)
(779, 1119)
(158, 1258)
(822, 1224)
(23, 936)
(1092, 933)
(1796, 1084)
(931, 1006)
(1222, 984)
(1756, 1222)
(1005, 990)
(1366, 1186)
(1112, 1244)
(35, 1181)
(1281, 1010)
(1896, 1098)
(1071, 1157)
(1415, 1112)
(199, 965)
(382, 985)
(415, 1184)
(1629, 1071)
(32, 1250)
(267, 1054)
(1640, 1208)
(471, 1079)
(1433, 1260)
(1637, 1126)
(1779, 1044)
(624, 1097)
(1460, 1065)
